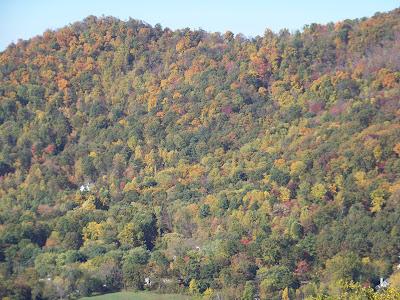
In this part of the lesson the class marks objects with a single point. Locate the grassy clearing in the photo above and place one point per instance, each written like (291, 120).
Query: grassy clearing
(138, 296)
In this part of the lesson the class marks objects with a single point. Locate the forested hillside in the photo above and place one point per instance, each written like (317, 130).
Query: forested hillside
(212, 164)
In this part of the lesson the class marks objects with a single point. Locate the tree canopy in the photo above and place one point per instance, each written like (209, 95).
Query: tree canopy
(210, 163)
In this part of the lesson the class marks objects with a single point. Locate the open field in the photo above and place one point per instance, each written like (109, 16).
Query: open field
(138, 296)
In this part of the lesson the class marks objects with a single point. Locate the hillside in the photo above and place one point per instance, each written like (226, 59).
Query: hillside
(210, 163)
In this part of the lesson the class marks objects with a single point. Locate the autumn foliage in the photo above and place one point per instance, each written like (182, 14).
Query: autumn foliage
(214, 164)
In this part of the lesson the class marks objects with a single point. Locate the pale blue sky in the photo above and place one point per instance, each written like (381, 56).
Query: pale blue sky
(25, 19)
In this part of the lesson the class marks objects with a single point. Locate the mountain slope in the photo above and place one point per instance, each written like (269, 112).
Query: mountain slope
(204, 161)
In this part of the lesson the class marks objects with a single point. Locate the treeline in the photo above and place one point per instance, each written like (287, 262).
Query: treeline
(134, 156)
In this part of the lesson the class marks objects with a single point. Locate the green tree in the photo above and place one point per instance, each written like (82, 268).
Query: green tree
(249, 291)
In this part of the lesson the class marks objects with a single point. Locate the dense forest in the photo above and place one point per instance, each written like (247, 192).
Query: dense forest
(212, 164)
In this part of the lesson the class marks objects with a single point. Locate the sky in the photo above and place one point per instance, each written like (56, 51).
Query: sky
(25, 19)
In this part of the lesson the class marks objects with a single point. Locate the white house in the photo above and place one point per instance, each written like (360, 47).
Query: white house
(147, 281)
(384, 283)
(85, 187)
